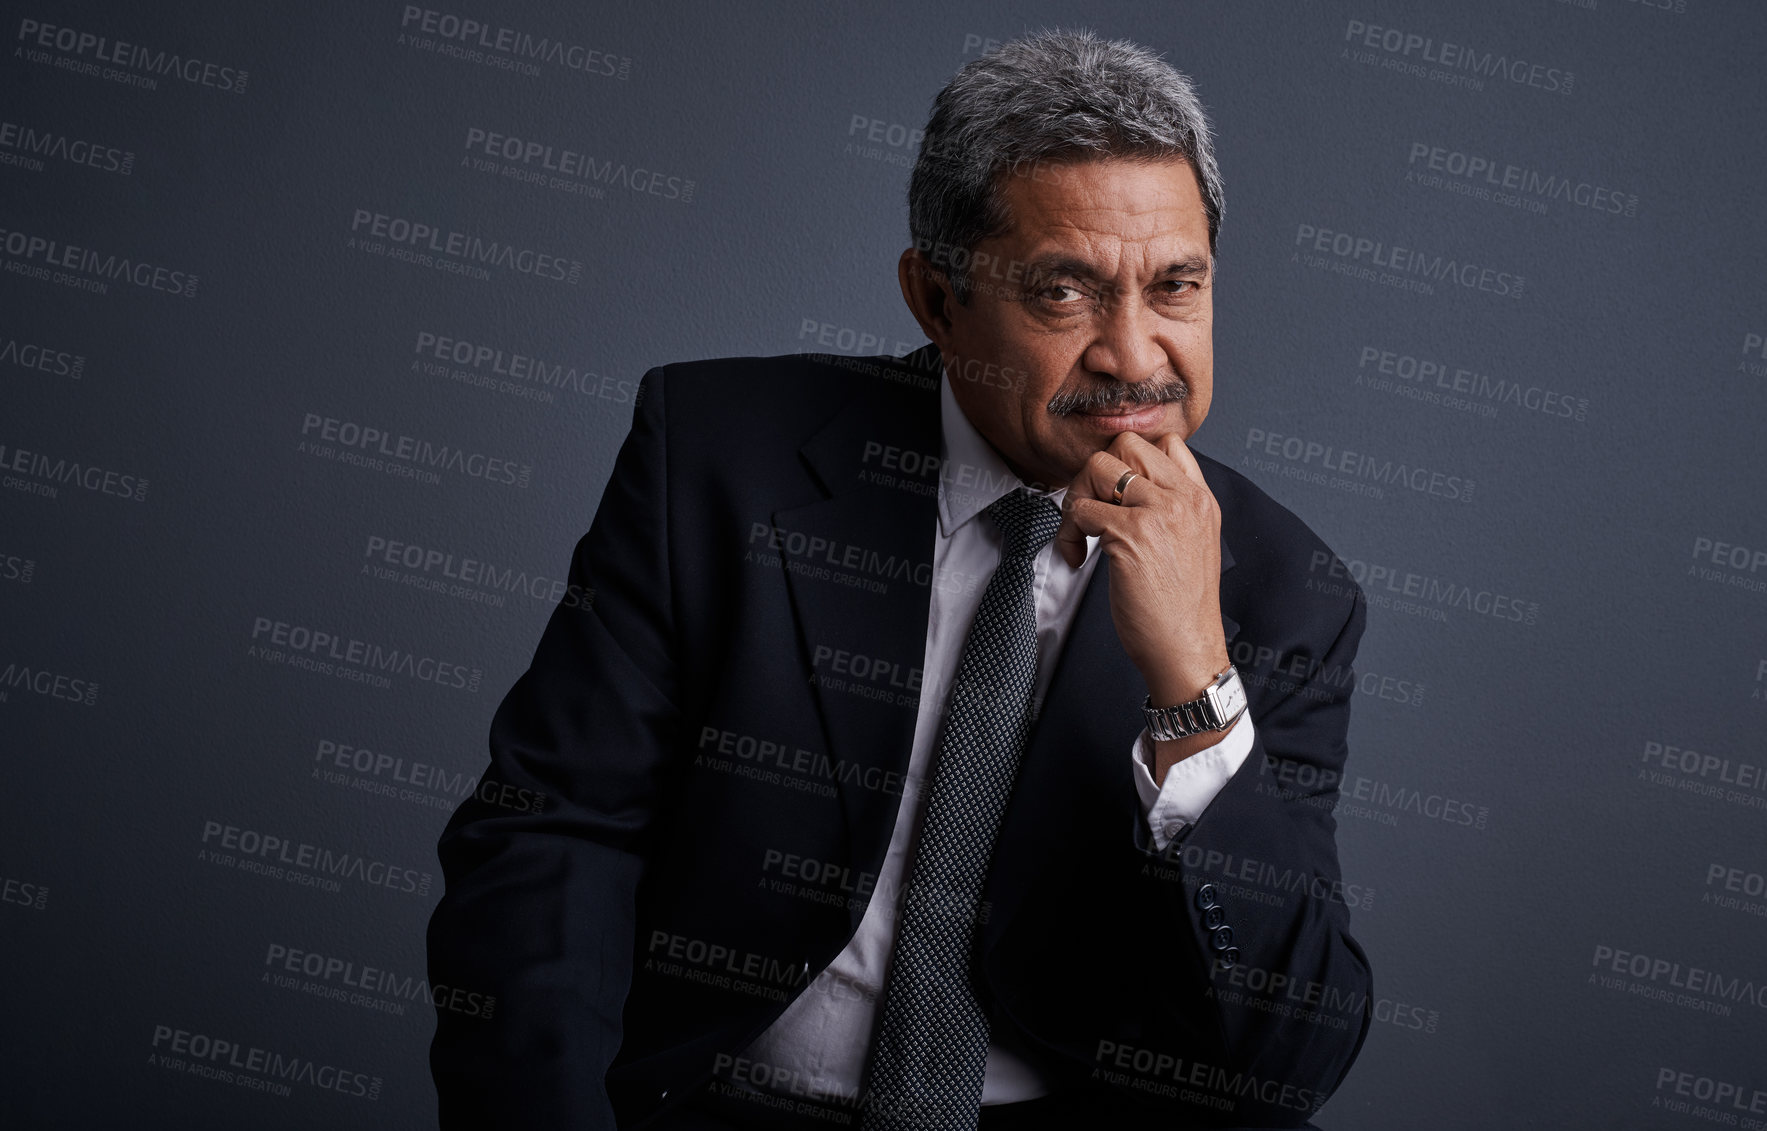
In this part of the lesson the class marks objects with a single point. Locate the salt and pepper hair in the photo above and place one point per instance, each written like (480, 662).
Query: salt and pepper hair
(1048, 97)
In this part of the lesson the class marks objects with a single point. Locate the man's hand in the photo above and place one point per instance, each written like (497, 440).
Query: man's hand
(1163, 546)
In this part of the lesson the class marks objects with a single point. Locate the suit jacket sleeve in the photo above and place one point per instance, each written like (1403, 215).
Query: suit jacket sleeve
(539, 899)
(1253, 895)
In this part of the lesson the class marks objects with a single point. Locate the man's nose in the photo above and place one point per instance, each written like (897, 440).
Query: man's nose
(1124, 347)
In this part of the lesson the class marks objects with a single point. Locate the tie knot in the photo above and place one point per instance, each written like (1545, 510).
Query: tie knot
(1028, 521)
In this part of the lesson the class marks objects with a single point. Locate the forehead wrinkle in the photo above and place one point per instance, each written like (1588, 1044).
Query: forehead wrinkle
(1110, 256)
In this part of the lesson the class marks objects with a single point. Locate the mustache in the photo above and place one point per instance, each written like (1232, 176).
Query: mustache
(1119, 395)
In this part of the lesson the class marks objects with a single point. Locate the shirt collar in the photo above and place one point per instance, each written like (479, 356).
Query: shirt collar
(973, 476)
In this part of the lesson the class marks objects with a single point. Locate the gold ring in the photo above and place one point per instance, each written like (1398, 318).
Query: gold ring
(1122, 484)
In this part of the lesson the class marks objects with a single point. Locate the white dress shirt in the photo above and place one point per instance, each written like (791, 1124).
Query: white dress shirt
(821, 1041)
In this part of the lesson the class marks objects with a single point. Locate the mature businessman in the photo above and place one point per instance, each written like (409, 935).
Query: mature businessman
(945, 742)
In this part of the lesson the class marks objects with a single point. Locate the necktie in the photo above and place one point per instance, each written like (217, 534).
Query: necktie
(930, 1050)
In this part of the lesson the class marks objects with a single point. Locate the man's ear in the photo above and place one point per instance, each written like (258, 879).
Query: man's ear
(927, 291)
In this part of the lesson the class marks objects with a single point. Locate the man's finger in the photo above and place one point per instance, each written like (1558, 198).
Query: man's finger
(1082, 518)
(1173, 445)
(1146, 458)
(1099, 475)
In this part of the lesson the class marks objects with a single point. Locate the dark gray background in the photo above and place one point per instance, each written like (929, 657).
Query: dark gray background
(1482, 937)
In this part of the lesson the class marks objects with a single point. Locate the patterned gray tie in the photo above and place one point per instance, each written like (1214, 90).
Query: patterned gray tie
(930, 1051)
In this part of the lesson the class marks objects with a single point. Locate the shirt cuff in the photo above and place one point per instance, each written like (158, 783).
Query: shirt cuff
(1191, 784)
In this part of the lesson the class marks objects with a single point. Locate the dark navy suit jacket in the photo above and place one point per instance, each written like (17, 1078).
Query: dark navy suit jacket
(742, 682)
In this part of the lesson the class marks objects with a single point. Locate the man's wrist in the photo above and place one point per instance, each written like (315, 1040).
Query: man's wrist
(1182, 683)
(1185, 679)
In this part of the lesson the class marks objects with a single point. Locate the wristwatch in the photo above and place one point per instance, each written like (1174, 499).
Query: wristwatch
(1217, 709)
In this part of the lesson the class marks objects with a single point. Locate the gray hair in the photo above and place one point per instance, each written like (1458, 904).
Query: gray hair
(1050, 96)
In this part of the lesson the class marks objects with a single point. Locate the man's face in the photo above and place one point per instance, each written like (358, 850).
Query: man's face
(1097, 306)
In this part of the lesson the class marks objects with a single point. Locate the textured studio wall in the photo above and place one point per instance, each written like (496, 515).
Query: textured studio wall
(319, 328)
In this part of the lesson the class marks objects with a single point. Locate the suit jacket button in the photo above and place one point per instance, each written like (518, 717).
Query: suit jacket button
(1207, 897)
(1228, 958)
(1214, 917)
(1222, 938)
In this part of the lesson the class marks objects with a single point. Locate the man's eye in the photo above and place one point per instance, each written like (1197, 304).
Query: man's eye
(1178, 286)
(1061, 293)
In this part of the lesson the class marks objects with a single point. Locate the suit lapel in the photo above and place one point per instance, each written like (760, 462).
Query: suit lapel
(865, 647)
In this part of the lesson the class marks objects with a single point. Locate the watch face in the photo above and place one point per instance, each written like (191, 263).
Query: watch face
(1229, 697)
(1234, 699)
